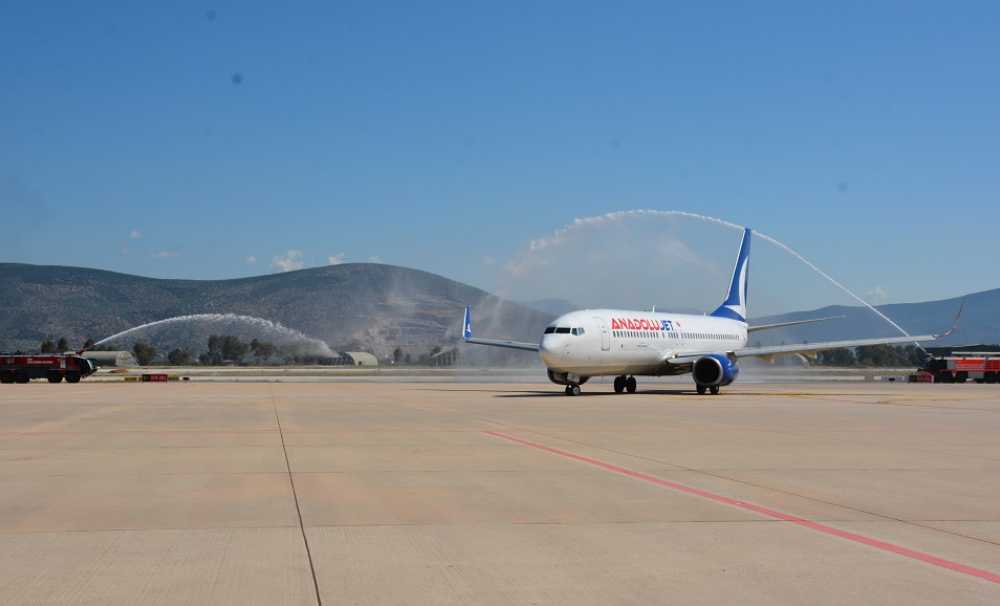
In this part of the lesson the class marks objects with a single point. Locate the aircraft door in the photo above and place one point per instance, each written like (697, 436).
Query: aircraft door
(605, 336)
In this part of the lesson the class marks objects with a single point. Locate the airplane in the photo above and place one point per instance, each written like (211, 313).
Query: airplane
(625, 344)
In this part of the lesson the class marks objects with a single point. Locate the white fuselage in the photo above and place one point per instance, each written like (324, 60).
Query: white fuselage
(623, 342)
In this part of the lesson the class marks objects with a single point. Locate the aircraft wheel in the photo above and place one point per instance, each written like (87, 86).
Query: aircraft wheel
(701, 389)
(572, 390)
(630, 385)
(619, 384)
(714, 389)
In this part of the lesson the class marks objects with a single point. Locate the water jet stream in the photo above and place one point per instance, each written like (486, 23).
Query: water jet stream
(559, 235)
(273, 327)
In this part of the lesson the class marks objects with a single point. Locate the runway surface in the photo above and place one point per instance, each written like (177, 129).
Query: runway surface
(471, 493)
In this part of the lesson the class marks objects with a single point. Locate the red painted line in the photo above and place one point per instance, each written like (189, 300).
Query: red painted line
(760, 510)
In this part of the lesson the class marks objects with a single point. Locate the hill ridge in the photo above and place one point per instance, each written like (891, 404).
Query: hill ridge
(377, 307)
(368, 306)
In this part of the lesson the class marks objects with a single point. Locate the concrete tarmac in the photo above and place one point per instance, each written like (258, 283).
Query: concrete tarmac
(466, 493)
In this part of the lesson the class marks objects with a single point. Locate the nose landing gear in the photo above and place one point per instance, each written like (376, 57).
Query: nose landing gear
(623, 383)
(713, 389)
(573, 390)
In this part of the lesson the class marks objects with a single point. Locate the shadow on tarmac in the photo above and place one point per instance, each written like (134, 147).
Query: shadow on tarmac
(646, 392)
(512, 393)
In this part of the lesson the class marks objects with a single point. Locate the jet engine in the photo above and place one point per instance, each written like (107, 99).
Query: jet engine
(714, 370)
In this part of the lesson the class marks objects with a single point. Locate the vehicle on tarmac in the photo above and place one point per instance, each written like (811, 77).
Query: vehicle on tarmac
(625, 344)
(981, 367)
(22, 368)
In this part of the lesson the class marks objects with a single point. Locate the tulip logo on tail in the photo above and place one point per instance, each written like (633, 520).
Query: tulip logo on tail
(736, 303)
(467, 324)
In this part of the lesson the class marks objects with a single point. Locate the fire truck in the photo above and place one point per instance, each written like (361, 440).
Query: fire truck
(982, 367)
(21, 368)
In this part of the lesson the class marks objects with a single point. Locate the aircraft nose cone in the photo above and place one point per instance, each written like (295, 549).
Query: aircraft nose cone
(548, 351)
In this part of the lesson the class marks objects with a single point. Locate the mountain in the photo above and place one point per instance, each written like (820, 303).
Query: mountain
(371, 307)
(980, 321)
(354, 306)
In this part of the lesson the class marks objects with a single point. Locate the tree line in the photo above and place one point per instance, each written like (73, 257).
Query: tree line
(221, 349)
(230, 349)
(60, 346)
(401, 358)
(879, 356)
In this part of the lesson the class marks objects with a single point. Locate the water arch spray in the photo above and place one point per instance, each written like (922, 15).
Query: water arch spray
(275, 328)
(560, 235)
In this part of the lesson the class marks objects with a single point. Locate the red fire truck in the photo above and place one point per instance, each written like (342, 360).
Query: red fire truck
(982, 367)
(21, 368)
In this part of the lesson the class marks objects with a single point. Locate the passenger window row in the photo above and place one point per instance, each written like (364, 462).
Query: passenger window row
(709, 336)
(641, 334)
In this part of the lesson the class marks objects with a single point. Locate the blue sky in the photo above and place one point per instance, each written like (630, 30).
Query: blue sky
(447, 136)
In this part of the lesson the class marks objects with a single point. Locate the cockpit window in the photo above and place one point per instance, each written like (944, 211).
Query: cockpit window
(578, 331)
(550, 329)
(562, 330)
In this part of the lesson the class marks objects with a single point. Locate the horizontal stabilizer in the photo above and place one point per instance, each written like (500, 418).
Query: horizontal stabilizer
(504, 343)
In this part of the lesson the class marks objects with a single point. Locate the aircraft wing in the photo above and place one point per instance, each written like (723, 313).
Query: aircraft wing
(808, 348)
(772, 351)
(793, 323)
(468, 338)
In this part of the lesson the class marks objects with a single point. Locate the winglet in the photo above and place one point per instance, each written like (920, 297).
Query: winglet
(954, 325)
(467, 323)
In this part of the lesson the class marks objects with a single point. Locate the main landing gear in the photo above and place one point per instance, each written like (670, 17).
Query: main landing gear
(713, 389)
(623, 383)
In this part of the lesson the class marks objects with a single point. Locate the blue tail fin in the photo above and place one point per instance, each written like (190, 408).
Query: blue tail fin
(737, 303)
(467, 323)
